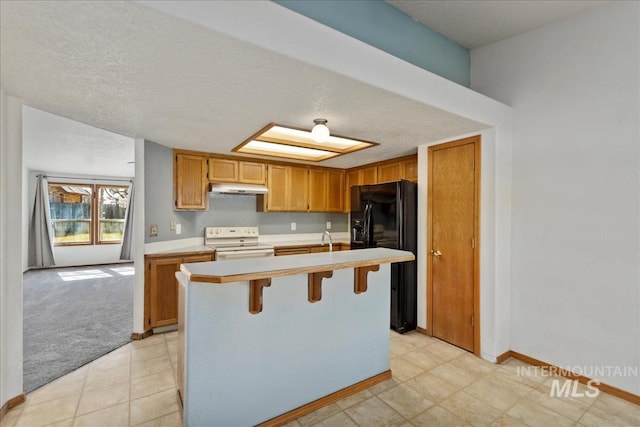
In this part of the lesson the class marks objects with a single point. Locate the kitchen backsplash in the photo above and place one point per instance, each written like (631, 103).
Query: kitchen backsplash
(224, 210)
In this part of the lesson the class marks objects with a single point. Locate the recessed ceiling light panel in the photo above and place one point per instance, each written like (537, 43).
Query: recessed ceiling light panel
(293, 143)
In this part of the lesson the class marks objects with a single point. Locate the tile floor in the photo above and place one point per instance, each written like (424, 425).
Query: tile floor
(433, 384)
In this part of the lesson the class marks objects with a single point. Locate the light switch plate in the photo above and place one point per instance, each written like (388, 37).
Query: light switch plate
(153, 230)
(293, 226)
(328, 225)
(172, 226)
(178, 228)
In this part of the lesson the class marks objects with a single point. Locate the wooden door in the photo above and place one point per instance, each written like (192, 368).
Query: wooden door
(453, 258)
(164, 291)
(190, 182)
(298, 188)
(277, 183)
(317, 190)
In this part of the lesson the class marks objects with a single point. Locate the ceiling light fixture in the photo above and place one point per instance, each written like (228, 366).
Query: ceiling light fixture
(320, 132)
(294, 143)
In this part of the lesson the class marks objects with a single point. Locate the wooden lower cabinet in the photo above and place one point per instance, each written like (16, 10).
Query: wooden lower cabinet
(306, 249)
(292, 250)
(161, 287)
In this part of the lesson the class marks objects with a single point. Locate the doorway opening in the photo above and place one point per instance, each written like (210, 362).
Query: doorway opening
(78, 277)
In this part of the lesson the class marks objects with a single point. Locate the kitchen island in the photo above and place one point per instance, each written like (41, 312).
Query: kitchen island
(264, 341)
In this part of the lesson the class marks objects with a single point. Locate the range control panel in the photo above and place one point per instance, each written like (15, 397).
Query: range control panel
(230, 232)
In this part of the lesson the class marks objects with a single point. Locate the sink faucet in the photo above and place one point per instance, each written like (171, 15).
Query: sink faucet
(326, 233)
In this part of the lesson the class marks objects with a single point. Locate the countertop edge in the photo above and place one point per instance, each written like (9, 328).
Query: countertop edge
(243, 277)
(198, 250)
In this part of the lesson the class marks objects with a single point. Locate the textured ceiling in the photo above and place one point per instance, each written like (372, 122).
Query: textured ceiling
(55, 144)
(131, 70)
(473, 23)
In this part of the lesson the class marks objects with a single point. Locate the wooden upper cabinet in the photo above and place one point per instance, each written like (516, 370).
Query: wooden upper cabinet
(229, 170)
(251, 172)
(223, 170)
(317, 190)
(189, 181)
(335, 191)
(298, 190)
(369, 175)
(411, 169)
(326, 190)
(276, 198)
(288, 190)
(353, 178)
(388, 172)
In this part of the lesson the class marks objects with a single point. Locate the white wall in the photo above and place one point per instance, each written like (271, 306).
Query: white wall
(574, 89)
(139, 232)
(10, 247)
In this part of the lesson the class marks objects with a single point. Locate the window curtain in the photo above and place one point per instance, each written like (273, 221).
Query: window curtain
(127, 238)
(40, 231)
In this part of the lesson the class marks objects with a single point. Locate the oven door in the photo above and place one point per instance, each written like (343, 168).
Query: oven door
(222, 255)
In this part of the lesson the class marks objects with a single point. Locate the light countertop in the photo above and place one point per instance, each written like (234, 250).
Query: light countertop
(196, 244)
(240, 270)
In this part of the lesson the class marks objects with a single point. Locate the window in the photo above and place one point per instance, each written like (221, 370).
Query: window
(112, 207)
(87, 214)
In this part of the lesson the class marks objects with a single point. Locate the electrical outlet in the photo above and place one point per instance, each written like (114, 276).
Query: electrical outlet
(293, 226)
(153, 230)
(178, 228)
(172, 226)
(328, 225)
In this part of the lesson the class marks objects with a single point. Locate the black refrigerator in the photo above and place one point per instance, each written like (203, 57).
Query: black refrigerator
(385, 215)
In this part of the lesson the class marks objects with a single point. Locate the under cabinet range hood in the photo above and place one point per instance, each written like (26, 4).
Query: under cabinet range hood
(235, 188)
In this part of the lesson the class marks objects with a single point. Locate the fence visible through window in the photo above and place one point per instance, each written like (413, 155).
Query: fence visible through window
(85, 214)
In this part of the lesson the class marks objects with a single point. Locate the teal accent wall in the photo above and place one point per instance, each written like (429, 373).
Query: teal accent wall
(381, 25)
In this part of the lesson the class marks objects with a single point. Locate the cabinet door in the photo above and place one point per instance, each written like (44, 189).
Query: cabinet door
(317, 190)
(190, 181)
(251, 172)
(411, 170)
(369, 175)
(163, 289)
(353, 178)
(388, 172)
(335, 191)
(298, 189)
(277, 184)
(223, 170)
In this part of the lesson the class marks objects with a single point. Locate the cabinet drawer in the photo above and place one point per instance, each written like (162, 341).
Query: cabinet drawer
(292, 251)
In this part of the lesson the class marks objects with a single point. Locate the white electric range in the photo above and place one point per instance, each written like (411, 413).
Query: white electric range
(236, 243)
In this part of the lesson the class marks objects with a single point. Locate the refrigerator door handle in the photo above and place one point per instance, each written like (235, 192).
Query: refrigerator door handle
(365, 234)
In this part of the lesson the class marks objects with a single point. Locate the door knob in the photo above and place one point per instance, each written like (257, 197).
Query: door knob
(436, 253)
